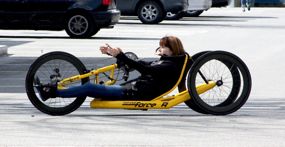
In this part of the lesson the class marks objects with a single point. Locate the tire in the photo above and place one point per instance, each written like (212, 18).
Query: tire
(182, 85)
(150, 12)
(174, 16)
(233, 83)
(193, 13)
(42, 69)
(191, 103)
(80, 25)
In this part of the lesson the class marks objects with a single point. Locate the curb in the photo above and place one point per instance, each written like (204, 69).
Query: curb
(3, 50)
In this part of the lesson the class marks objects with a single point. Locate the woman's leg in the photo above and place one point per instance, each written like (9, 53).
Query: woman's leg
(92, 90)
(243, 4)
(249, 4)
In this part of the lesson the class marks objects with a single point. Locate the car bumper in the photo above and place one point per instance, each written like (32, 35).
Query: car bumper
(199, 4)
(107, 19)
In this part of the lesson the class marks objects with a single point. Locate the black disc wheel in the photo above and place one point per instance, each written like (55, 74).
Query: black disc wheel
(50, 69)
(80, 26)
(232, 78)
(182, 85)
(150, 12)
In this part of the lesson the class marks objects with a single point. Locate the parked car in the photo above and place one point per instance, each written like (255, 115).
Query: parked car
(266, 3)
(151, 11)
(220, 3)
(195, 8)
(215, 3)
(79, 18)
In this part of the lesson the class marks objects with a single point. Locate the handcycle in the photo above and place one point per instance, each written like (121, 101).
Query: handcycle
(210, 82)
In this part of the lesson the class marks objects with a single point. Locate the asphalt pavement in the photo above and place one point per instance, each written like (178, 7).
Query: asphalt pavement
(256, 36)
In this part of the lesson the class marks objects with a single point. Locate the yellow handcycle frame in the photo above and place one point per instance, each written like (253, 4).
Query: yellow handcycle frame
(161, 102)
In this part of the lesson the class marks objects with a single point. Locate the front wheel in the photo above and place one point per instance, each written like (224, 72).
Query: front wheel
(51, 68)
(232, 78)
(150, 12)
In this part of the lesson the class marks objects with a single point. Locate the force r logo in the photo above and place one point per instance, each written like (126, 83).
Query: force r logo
(141, 105)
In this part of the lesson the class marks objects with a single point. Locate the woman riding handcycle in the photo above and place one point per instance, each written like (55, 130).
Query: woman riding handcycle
(217, 82)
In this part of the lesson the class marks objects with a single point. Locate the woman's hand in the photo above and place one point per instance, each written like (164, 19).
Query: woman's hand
(114, 51)
(107, 49)
(104, 49)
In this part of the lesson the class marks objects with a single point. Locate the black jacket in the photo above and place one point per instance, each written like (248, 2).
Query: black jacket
(156, 78)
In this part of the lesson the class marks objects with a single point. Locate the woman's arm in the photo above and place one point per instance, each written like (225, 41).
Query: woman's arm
(146, 68)
(140, 66)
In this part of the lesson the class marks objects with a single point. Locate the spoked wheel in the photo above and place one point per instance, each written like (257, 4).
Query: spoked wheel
(232, 78)
(50, 69)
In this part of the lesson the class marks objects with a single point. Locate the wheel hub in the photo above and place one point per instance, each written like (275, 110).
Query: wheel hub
(219, 83)
(149, 12)
(77, 25)
(56, 76)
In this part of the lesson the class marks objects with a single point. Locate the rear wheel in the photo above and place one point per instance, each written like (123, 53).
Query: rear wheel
(49, 69)
(150, 12)
(182, 86)
(233, 83)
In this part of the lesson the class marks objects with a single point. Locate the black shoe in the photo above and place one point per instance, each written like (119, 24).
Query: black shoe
(45, 91)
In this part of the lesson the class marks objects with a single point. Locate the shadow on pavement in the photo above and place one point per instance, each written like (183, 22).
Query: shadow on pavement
(12, 43)
(277, 26)
(209, 18)
(172, 23)
(191, 21)
(231, 17)
(272, 108)
(95, 38)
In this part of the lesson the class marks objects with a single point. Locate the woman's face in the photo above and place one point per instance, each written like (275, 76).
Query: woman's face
(164, 51)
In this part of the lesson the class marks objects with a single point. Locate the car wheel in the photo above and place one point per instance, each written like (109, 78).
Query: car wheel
(174, 16)
(80, 26)
(150, 12)
(193, 13)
